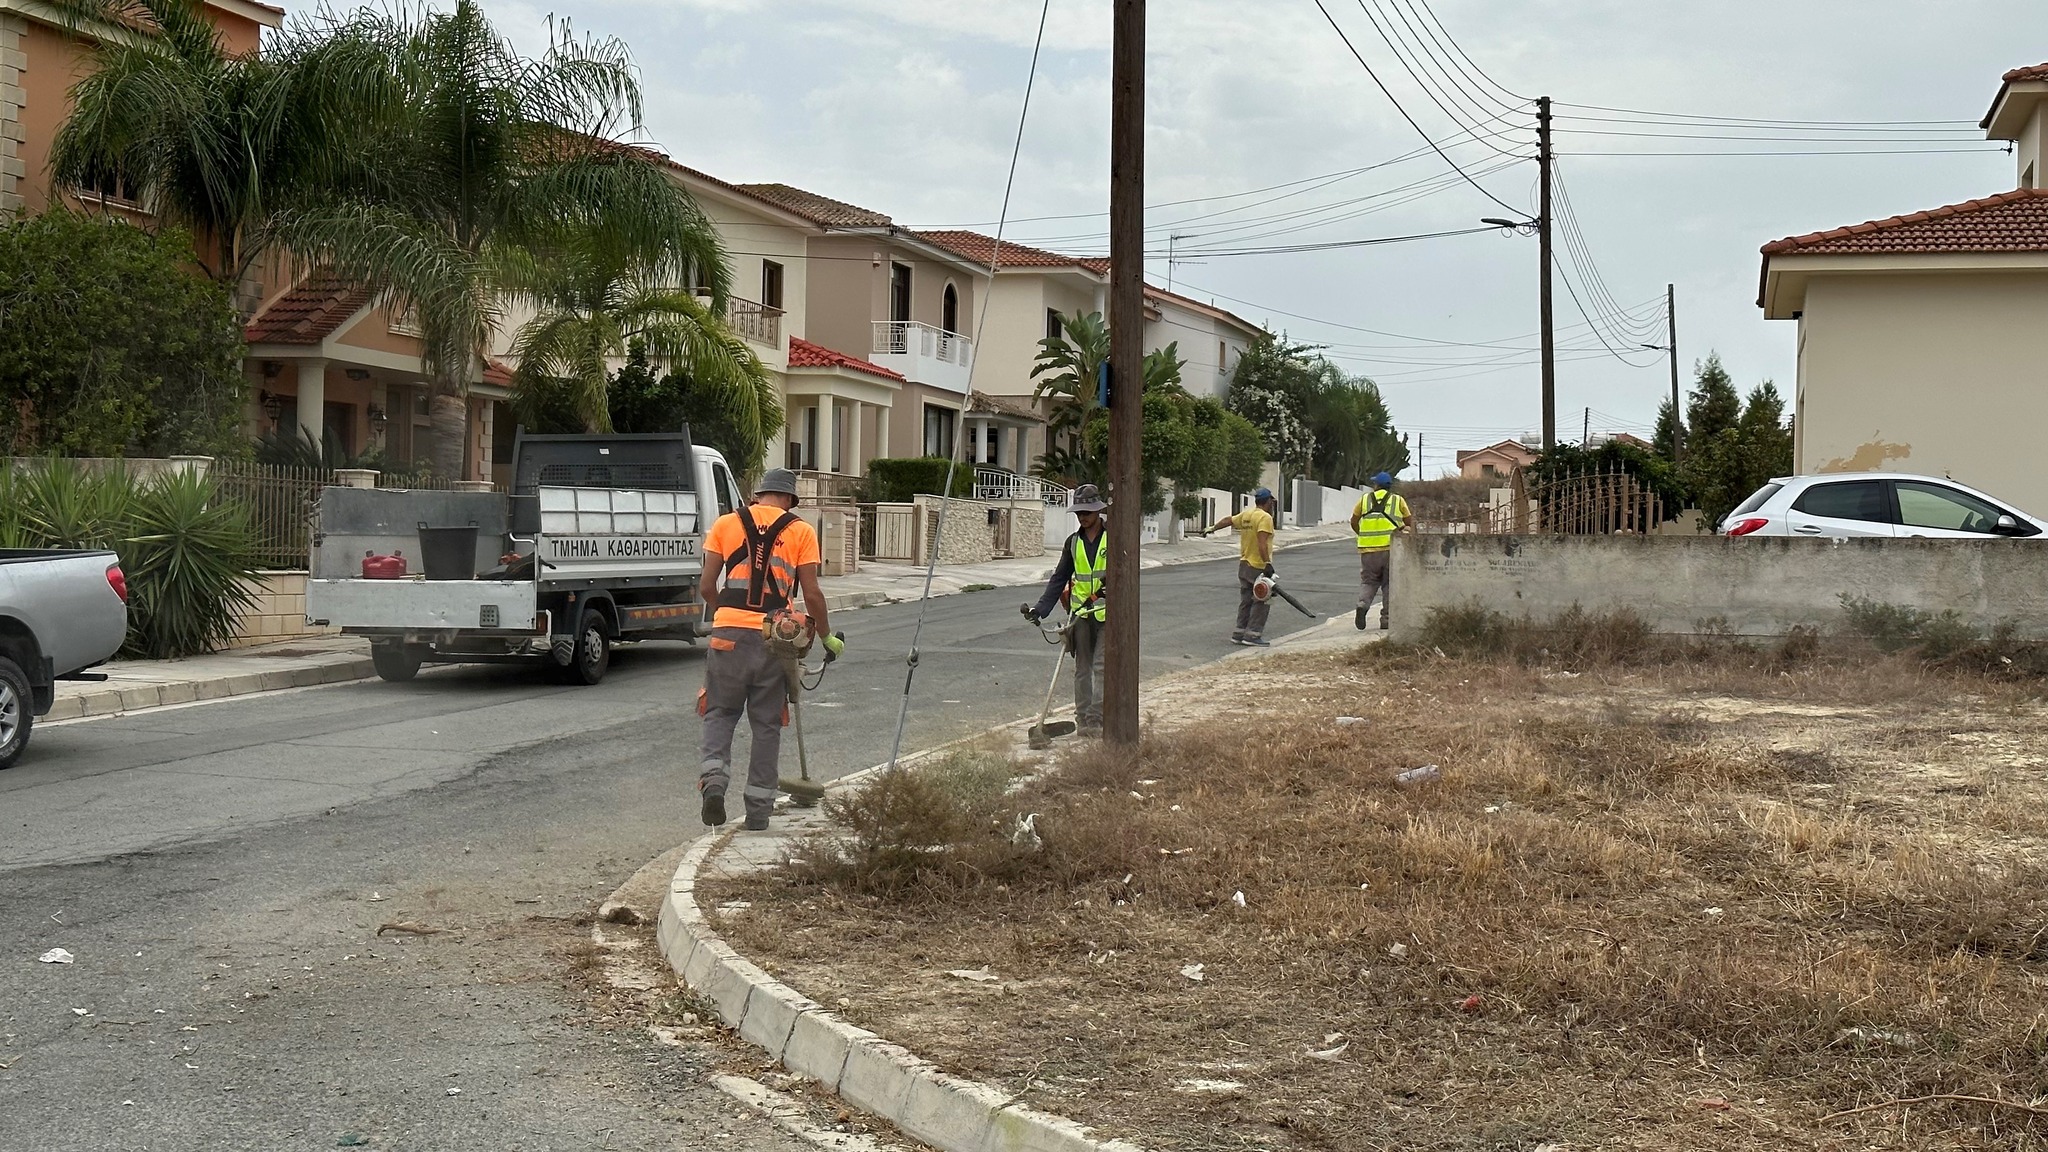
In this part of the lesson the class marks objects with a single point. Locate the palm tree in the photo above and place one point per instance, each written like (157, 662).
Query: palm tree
(595, 306)
(1068, 371)
(169, 117)
(467, 165)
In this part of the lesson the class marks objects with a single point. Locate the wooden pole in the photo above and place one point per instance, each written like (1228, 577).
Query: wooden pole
(1126, 368)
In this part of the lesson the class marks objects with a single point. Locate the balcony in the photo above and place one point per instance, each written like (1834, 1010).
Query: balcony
(754, 321)
(924, 354)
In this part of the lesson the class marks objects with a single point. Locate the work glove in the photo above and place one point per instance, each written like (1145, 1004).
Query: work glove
(835, 645)
(1028, 613)
(1268, 573)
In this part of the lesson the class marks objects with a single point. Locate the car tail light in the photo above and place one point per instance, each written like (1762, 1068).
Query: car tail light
(1745, 527)
(118, 581)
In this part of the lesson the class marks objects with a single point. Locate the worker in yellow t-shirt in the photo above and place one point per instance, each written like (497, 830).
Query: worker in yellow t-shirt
(1254, 528)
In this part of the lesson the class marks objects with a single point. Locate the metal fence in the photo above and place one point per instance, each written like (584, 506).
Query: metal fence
(888, 532)
(280, 501)
(1603, 503)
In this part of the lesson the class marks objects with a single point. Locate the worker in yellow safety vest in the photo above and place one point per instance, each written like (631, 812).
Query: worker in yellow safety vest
(1084, 562)
(1380, 513)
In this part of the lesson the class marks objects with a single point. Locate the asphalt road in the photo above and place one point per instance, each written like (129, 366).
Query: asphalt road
(221, 873)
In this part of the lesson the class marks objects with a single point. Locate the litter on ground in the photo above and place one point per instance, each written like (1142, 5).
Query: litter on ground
(56, 956)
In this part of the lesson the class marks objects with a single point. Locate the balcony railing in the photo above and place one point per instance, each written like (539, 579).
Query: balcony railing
(924, 354)
(755, 321)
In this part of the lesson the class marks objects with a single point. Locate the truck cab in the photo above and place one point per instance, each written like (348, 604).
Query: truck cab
(599, 541)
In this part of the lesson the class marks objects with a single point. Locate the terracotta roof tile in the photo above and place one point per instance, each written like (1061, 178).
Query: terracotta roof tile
(310, 312)
(804, 354)
(815, 208)
(2015, 221)
(499, 373)
(2030, 72)
(1016, 406)
(979, 248)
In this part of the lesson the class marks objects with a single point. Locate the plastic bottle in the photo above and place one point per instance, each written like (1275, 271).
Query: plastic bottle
(1420, 775)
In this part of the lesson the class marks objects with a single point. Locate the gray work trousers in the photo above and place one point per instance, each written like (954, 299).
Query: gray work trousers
(1251, 611)
(1084, 640)
(743, 677)
(1372, 577)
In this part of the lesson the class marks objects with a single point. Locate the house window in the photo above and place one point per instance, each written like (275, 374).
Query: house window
(949, 318)
(938, 430)
(771, 283)
(110, 187)
(899, 292)
(1053, 328)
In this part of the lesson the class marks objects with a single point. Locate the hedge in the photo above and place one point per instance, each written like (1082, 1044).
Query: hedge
(897, 480)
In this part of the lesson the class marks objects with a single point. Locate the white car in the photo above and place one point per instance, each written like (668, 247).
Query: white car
(1876, 504)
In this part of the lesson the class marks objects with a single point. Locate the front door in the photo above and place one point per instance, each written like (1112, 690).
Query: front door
(899, 292)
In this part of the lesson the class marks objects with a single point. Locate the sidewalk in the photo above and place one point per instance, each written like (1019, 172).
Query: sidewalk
(138, 684)
(893, 583)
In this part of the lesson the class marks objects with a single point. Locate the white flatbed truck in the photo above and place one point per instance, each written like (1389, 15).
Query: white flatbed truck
(599, 541)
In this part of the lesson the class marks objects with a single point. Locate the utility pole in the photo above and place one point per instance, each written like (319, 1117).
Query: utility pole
(1671, 341)
(1586, 429)
(1418, 456)
(1543, 254)
(1126, 368)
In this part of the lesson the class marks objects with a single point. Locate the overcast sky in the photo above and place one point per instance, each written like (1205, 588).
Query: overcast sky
(909, 107)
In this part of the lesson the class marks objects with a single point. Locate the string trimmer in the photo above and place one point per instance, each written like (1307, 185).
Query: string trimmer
(789, 638)
(1041, 734)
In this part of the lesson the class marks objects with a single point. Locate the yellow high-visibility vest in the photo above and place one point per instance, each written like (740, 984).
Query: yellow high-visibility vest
(1084, 591)
(1377, 519)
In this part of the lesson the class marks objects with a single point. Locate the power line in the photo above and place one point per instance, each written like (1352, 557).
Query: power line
(1429, 85)
(1854, 130)
(1510, 93)
(1755, 120)
(1403, 111)
(1787, 152)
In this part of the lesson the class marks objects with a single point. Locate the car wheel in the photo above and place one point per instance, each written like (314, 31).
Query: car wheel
(17, 712)
(592, 656)
(394, 661)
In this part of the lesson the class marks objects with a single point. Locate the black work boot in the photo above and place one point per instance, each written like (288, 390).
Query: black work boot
(757, 819)
(714, 809)
(1358, 618)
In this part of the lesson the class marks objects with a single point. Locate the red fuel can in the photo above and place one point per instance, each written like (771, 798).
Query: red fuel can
(390, 567)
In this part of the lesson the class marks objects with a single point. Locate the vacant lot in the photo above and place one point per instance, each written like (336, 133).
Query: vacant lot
(1719, 900)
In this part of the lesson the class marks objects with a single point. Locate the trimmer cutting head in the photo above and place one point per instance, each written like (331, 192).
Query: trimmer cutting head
(803, 793)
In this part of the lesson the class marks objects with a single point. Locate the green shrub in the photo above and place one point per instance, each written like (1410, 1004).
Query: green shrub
(184, 549)
(896, 480)
(1897, 627)
(185, 558)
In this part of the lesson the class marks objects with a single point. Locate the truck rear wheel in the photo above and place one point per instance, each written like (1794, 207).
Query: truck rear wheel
(17, 711)
(394, 661)
(592, 655)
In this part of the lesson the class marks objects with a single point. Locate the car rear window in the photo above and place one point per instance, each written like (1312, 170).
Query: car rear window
(1849, 500)
(1756, 500)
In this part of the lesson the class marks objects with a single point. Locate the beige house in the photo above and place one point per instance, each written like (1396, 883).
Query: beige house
(884, 296)
(1922, 346)
(1495, 461)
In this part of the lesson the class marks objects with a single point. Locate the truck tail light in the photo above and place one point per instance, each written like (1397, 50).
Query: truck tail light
(1745, 527)
(118, 581)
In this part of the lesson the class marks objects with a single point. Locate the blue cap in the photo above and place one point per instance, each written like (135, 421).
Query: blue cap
(1262, 495)
(1382, 480)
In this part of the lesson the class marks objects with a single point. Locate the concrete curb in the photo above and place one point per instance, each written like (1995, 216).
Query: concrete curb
(130, 696)
(945, 1111)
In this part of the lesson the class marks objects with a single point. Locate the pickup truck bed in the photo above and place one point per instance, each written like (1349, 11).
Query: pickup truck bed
(61, 611)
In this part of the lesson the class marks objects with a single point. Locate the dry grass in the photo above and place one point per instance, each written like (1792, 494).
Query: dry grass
(1700, 904)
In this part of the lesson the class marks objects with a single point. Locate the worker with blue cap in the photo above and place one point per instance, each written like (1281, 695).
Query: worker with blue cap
(1254, 528)
(1380, 514)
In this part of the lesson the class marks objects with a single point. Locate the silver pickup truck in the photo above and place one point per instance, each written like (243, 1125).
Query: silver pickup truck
(61, 611)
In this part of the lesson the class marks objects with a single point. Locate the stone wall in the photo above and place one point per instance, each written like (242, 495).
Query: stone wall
(969, 538)
(1749, 586)
(279, 612)
(13, 60)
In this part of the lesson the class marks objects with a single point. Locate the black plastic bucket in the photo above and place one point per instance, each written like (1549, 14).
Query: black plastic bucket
(448, 553)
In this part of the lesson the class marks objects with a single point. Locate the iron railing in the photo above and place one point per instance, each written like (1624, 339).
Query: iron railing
(888, 533)
(280, 501)
(758, 322)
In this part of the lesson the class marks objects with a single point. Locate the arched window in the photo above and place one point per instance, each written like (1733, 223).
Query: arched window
(950, 317)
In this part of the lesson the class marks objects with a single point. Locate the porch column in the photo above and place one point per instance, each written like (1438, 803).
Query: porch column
(833, 436)
(883, 417)
(313, 399)
(857, 440)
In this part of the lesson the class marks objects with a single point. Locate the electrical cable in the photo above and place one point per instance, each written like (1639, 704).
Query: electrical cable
(1429, 85)
(1475, 95)
(960, 431)
(1381, 85)
(1504, 90)
(1782, 152)
(1756, 120)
